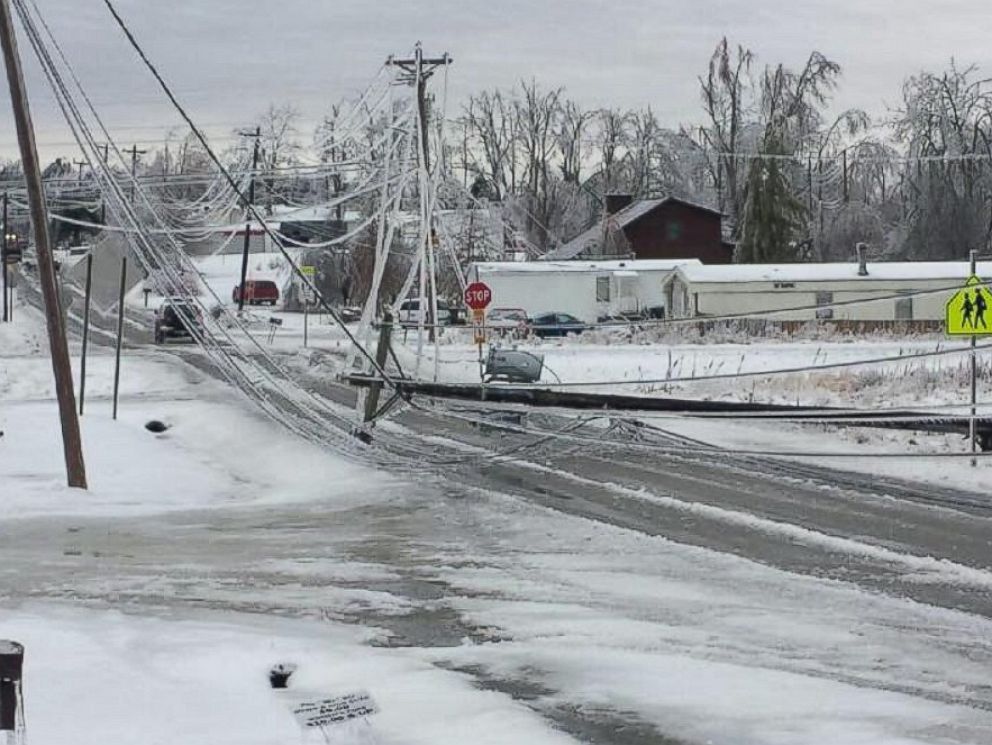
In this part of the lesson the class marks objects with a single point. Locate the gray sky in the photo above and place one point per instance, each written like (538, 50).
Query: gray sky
(229, 59)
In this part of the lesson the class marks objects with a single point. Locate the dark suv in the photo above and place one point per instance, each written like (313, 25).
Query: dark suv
(177, 318)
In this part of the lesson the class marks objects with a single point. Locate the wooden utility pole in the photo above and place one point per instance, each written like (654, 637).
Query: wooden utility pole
(3, 259)
(103, 201)
(134, 166)
(973, 260)
(419, 70)
(120, 333)
(71, 440)
(86, 330)
(257, 134)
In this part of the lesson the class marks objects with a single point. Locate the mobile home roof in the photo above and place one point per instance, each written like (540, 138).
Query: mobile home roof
(831, 272)
(643, 265)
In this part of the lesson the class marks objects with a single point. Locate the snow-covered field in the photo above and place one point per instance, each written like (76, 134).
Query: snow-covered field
(573, 617)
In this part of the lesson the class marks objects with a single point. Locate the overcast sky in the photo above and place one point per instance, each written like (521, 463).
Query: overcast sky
(228, 59)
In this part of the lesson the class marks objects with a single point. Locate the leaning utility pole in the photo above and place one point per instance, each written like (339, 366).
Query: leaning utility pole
(257, 134)
(71, 440)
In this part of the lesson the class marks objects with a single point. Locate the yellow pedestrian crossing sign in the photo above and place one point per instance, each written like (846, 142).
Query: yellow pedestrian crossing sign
(969, 310)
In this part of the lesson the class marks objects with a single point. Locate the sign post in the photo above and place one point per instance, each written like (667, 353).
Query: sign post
(309, 272)
(477, 297)
(479, 334)
(968, 312)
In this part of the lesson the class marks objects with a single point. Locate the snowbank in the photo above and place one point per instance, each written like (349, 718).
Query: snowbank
(217, 450)
(101, 677)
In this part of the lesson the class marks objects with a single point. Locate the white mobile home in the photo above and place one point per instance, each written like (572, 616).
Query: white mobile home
(875, 291)
(588, 290)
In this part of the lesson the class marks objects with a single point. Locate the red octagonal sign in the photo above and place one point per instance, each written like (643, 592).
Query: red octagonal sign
(478, 295)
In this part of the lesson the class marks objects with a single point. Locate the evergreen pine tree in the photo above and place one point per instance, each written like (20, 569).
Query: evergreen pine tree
(773, 217)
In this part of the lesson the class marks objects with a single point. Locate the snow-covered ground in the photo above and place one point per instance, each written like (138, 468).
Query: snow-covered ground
(576, 617)
(215, 451)
(102, 676)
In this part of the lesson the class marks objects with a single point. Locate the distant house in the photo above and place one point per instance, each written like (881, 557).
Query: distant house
(309, 224)
(588, 290)
(669, 228)
(837, 291)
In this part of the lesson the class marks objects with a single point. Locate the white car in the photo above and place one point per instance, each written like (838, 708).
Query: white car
(508, 322)
(410, 313)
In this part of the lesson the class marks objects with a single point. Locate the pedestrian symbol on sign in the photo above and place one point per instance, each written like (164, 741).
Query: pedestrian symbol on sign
(966, 311)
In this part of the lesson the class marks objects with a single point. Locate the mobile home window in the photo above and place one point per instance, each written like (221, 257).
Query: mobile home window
(904, 309)
(602, 289)
(824, 298)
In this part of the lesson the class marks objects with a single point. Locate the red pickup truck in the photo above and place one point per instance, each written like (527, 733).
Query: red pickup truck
(257, 292)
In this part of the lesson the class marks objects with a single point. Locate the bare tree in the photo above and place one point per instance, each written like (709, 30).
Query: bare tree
(536, 113)
(645, 134)
(613, 125)
(488, 118)
(725, 92)
(791, 103)
(570, 133)
(945, 125)
(279, 147)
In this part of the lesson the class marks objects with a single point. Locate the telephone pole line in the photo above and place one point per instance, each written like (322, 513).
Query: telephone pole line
(71, 440)
(418, 71)
(257, 134)
(103, 200)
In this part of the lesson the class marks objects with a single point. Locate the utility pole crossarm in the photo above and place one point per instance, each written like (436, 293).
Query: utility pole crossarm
(420, 66)
(408, 64)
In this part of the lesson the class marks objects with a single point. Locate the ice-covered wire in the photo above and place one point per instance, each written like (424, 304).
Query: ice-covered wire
(304, 279)
(230, 369)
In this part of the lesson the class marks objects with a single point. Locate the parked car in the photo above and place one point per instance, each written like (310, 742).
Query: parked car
(508, 322)
(460, 314)
(177, 318)
(257, 291)
(350, 313)
(622, 318)
(556, 324)
(410, 313)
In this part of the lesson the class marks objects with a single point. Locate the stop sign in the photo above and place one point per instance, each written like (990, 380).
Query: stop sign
(478, 295)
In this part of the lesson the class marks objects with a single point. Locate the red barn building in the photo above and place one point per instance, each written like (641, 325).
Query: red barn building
(669, 228)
